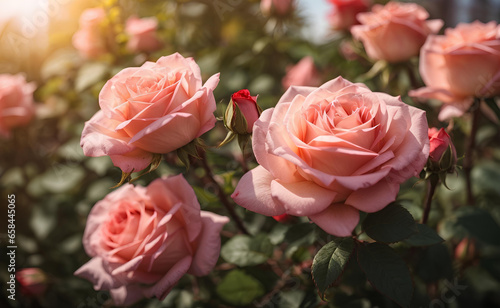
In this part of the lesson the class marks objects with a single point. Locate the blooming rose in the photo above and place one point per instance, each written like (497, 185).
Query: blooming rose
(303, 73)
(463, 63)
(343, 14)
(332, 151)
(16, 102)
(281, 7)
(90, 40)
(394, 32)
(156, 108)
(142, 34)
(142, 240)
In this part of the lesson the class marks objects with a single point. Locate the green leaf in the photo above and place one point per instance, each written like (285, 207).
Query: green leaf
(90, 73)
(244, 250)
(425, 236)
(330, 261)
(240, 289)
(386, 272)
(481, 225)
(392, 224)
(435, 263)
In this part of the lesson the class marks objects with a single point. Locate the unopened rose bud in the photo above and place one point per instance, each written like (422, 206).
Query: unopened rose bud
(442, 153)
(242, 112)
(466, 250)
(33, 281)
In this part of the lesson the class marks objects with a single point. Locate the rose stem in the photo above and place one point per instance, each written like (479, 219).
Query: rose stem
(220, 193)
(469, 150)
(431, 188)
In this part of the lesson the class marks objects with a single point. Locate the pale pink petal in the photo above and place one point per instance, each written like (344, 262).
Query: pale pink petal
(301, 198)
(133, 161)
(127, 295)
(95, 271)
(208, 250)
(253, 192)
(167, 282)
(338, 219)
(375, 197)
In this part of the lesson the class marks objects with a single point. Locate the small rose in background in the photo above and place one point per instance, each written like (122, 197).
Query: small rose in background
(142, 34)
(90, 40)
(442, 152)
(343, 13)
(280, 7)
(329, 152)
(304, 73)
(142, 240)
(394, 32)
(16, 102)
(461, 64)
(153, 109)
(33, 281)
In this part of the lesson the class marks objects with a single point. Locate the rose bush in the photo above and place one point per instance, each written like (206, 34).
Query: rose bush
(156, 108)
(142, 34)
(459, 65)
(89, 40)
(332, 151)
(142, 240)
(16, 102)
(394, 32)
(304, 73)
(343, 14)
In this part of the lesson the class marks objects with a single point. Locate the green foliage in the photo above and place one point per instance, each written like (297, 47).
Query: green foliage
(244, 250)
(391, 224)
(238, 288)
(425, 236)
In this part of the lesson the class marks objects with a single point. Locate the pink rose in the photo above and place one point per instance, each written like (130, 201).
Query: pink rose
(142, 34)
(332, 151)
(156, 108)
(281, 7)
(303, 73)
(462, 64)
(394, 32)
(439, 142)
(247, 104)
(142, 240)
(343, 14)
(16, 102)
(90, 40)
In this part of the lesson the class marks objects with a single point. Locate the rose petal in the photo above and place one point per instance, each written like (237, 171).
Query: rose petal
(253, 192)
(338, 219)
(167, 282)
(375, 197)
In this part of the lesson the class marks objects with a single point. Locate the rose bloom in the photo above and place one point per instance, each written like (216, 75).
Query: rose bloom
(142, 240)
(394, 32)
(330, 152)
(89, 40)
(343, 14)
(142, 34)
(281, 7)
(462, 64)
(16, 102)
(304, 73)
(156, 108)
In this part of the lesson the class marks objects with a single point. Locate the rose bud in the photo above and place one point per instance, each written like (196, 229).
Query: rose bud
(466, 250)
(282, 218)
(442, 152)
(33, 281)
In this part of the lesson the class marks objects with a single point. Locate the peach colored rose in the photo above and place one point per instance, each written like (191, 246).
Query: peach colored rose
(462, 64)
(142, 34)
(16, 102)
(343, 14)
(142, 240)
(90, 40)
(281, 7)
(332, 151)
(156, 108)
(394, 32)
(304, 73)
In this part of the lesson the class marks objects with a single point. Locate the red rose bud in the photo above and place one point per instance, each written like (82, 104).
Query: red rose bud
(442, 154)
(466, 250)
(282, 218)
(33, 281)
(242, 112)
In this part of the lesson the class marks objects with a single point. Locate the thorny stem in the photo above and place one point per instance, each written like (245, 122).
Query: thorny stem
(220, 193)
(431, 188)
(469, 150)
